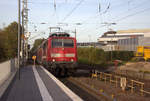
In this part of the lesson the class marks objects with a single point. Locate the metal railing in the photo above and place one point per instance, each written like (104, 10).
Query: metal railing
(130, 83)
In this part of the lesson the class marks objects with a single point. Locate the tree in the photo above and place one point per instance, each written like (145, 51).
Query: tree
(2, 54)
(9, 41)
(37, 42)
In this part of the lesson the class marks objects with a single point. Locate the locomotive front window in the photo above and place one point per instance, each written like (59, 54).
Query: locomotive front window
(57, 43)
(62, 43)
(68, 43)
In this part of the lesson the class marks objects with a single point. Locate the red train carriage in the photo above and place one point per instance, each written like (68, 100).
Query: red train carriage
(58, 53)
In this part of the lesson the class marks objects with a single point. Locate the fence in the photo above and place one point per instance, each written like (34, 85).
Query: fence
(134, 74)
(130, 83)
(6, 68)
(7, 72)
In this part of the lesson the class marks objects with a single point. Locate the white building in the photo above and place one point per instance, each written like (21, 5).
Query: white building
(124, 39)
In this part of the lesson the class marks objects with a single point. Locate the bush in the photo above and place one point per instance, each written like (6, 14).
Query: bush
(99, 57)
(91, 56)
(119, 55)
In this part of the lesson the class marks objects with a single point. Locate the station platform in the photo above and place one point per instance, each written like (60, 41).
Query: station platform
(37, 84)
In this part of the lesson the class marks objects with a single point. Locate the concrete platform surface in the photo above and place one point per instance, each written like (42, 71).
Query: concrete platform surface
(37, 84)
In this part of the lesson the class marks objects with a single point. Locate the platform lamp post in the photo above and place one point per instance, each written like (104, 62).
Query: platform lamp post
(19, 27)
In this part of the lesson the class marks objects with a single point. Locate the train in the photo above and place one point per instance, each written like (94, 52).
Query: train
(58, 53)
(143, 52)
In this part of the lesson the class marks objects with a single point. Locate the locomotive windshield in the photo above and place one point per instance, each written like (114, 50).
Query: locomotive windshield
(62, 43)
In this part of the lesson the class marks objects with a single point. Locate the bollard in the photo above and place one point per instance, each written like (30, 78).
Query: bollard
(101, 90)
(34, 58)
(112, 96)
(101, 76)
(94, 75)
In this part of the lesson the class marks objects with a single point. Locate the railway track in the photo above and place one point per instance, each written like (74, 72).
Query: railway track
(85, 91)
(82, 79)
(80, 85)
(79, 90)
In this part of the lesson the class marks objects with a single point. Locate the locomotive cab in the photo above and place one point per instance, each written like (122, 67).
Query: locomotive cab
(58, 53)
(62, 52)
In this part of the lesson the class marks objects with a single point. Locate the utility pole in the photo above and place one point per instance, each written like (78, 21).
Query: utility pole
(19, 5)
(22, 40)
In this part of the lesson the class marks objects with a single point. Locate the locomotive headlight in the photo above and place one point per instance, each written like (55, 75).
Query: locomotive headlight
(71, 60)
(53, 60)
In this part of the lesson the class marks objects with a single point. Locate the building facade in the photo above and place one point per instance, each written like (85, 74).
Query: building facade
(126, 40)
(89, 44)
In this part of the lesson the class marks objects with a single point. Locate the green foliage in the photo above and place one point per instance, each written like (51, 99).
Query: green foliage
(8, 41)
(2, 54)
(99, 57)
(119, 55)
(137, 59)
(37, 42)
(144, 71)
(91, 56)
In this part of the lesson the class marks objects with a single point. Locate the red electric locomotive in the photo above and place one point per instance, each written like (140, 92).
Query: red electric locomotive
(58, 53)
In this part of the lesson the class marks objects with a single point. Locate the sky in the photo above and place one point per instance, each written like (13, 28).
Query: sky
(95, 16)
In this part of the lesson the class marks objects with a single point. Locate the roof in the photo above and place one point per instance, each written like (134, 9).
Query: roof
(134, 31)
(110, 32)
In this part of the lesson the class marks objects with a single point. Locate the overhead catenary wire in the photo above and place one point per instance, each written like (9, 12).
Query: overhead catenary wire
(133, 14)
(55, 5)
(108, 6)
(129, 15)
(55, 12)
(69, 14)
(102, 11)
(134, 8)
(102, 14)
(42, 32)
(99, 7)
(125, 17)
